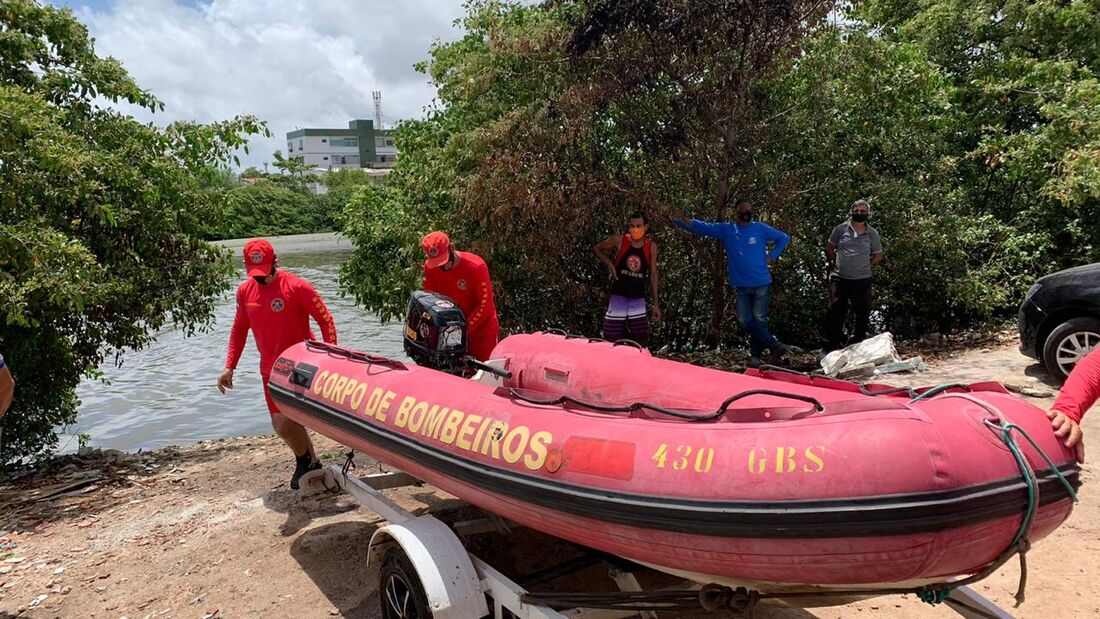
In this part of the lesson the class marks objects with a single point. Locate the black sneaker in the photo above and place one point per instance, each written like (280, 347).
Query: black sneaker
(303, 464)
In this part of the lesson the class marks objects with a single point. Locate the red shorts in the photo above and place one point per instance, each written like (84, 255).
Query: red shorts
(271, 408)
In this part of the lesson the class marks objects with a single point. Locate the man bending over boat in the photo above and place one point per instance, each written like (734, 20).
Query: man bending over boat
(464, 277)
(1078, 394)
(633, 271)
(749, 263)
(276, 306)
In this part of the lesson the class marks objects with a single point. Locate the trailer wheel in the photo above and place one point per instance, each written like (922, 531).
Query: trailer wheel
(401, 594)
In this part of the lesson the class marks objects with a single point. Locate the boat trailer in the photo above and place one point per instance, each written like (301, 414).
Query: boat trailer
(426, 571)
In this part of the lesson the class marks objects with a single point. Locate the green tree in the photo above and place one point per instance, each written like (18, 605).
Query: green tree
(100, 217)
(972, 127)
(1025, 83)
(270, 209)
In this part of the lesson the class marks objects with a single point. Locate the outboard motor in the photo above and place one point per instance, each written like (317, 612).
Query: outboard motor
(435, 333)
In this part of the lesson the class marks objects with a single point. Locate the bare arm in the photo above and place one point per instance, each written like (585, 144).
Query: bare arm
(876, 258)
(604, 249)
(830, 253)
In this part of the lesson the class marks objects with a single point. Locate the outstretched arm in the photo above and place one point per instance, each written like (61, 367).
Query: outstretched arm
(702, 228)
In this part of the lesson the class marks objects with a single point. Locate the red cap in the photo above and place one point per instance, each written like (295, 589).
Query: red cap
(436, 245)
(259, 257)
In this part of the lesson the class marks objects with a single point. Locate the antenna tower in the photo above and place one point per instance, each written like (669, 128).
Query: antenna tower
(377, 94)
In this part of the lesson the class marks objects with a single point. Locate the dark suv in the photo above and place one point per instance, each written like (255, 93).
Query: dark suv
(1060, 318)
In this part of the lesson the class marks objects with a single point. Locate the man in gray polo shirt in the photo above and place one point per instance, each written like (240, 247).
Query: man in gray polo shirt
(853, 248)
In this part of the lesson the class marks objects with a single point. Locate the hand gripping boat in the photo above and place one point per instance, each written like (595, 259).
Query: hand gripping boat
(772, 480)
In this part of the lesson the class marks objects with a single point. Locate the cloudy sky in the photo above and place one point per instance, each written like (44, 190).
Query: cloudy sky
(292, 63)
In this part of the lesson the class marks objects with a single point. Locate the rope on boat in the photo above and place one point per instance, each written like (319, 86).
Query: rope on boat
(938, 389)
(636, 406)
(353, 355)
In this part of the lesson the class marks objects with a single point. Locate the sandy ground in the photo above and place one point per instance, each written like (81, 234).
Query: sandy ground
(212, 530)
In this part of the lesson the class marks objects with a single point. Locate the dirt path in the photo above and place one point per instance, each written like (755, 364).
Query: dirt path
(212, 531)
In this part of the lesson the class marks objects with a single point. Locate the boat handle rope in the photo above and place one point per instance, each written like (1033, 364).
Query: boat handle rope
(767, 367)
(636, 406)
(594, 340)
(909, 391)
(938, 389)
(352, 355)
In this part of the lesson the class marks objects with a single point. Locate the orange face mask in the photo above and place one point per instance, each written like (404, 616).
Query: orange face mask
(637, 233)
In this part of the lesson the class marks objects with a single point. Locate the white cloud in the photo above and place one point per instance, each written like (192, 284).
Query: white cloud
(290, 62)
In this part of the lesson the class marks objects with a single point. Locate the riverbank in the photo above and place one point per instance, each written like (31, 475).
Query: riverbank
(297, 243)
(212, 530)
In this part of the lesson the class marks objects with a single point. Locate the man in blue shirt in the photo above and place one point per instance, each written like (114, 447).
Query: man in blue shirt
(749, 263)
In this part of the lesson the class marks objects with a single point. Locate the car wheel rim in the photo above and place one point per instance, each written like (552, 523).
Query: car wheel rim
(1073, 347)
(399, 597)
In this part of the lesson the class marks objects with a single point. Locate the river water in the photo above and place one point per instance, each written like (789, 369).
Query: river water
(166, 394)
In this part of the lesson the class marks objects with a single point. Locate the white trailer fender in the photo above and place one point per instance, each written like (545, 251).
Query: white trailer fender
(442, 564)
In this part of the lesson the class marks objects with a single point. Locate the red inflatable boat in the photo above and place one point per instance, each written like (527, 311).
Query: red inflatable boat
(766, 479)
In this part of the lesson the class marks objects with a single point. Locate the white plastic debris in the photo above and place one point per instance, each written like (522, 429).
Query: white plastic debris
(874, 351)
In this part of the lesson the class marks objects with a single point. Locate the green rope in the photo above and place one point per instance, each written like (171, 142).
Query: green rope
(936, 390)
(1057, 474)
(1029, 479)
(935, 596)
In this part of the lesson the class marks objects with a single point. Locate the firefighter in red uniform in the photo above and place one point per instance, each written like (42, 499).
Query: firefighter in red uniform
(463, 277)
(276, 306)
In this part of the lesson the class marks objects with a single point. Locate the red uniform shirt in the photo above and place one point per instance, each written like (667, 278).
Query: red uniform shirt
(468, 284)
(278, 314)
(1082, 388)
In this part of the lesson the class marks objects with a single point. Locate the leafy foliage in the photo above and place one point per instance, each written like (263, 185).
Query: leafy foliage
(100, 217)
(1025, 132)
(972, 127)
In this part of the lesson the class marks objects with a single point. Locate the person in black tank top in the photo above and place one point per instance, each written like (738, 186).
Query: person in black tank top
(631, 261)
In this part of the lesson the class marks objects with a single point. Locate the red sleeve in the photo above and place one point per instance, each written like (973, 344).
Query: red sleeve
(316, 307)
(1082, 388)
(238, 335)
(484, 292)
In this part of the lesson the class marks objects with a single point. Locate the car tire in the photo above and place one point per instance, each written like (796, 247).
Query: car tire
(402, 595)
(1067, 343)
